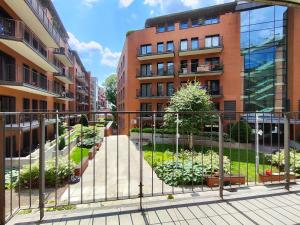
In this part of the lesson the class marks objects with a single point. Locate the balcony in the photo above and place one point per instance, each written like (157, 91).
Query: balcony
(196, 70)
(154, 55)
(34, 16)
(141, 95)
(214, 92)
(24, 79)
(160, 74)
(64, 76)
(202, 48)
(64, 56)
(20, 39)
(80, 76)
(82, 90)
(67, 96)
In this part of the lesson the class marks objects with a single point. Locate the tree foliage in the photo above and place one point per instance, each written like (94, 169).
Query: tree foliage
(190, 98)
(110, 85)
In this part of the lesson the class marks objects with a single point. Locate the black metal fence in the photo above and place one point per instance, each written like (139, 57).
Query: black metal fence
(101, 156)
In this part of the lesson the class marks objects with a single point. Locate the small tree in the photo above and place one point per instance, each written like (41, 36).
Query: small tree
(191, 98)
(84, 120)
(62, 143)
(61, 128)
(241, 132)
(110, 85)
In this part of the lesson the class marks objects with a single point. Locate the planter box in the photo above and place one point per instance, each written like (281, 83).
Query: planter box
(213, 181)
(80, 170)
(274, 177)
(92, 152)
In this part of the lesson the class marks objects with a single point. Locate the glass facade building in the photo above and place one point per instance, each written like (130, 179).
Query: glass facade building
(264, 51)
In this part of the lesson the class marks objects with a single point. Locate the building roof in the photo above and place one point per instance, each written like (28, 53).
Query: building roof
(196, 13)
(79, 60)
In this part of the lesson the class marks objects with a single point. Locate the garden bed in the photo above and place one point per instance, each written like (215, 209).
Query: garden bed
(274, 177)
(80, 168)
(213, 181)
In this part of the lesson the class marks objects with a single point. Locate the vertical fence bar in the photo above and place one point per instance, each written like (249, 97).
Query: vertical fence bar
(221, 151)
(42, 167)
(141, 162)
(2, 169)
(286, 152)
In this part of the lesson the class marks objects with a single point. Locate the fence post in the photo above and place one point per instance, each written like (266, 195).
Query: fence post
(42, 167)
(221, 171)
(2, 170)
(286, 152)
(141, 161)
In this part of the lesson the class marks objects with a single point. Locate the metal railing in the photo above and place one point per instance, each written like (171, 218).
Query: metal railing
(201, 44)
(40, 13)
(15, 75)
(162, 72)
(17, 30)
(141, 53)
(126, 155)
(140, 94)
(65, 73)
(64, 51)
(196, 68)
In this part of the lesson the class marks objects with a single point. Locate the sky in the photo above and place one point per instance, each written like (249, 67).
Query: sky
(97, 28)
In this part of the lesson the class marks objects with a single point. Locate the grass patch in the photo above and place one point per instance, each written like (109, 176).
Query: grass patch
(242, 161)
(76, 154)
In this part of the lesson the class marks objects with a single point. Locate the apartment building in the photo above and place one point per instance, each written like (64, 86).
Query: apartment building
(94, 94)
(244, 55)
(37, 70)
(101, 99)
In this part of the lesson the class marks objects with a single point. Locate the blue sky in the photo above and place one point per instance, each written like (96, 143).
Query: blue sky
(97, 28)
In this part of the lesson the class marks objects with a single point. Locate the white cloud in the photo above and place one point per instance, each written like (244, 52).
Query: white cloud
(125, 3)
(170, 6)
(93, 49)
(89, 3)
(151, 12)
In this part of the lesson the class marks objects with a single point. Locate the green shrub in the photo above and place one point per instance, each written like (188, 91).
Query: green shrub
(84, 120)
(278, 160)
(89, 142)
(64, 171)
(61, 129)
(62, 143)
(241, 132)
(11, 177)
(175, 174)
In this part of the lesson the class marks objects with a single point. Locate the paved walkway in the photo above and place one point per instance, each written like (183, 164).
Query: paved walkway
(267, 206)
(121, 178)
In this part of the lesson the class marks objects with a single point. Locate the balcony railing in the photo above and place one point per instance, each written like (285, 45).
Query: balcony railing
(82, 90)
(17, 30)
(65, 75)
(154, 54)
(158, 73)
(198, 69)
(67, 59)
(202, 46)
(40, 13)
(214, 91)
(140, 94)
(16, 75)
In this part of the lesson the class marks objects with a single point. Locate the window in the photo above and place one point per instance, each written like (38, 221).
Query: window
(146, 107)
(197, 22)
(26, 105)
(34, 78)
(213, 20)
(212, 61)
(26, 72)
(160, 47)
(170, 46)
(43, 106)
(170, 89)
(183, 66)
(35, 43)
(27, 36)
(160, 29)
(160, 108)
(229, 106)
(184, 45)
(160, 89)
(8, 104)
(184, 25)
(194, 65)
(171, 26)
(213, 87)
(212, 41)
(170, 68)
(145, 49)
(11, 147)
(146, 90)
(146, 69)
(195, 43)
(160, 68)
